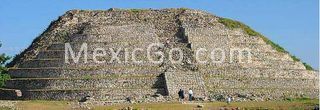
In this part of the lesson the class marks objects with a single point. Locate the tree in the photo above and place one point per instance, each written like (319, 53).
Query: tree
(4, 76)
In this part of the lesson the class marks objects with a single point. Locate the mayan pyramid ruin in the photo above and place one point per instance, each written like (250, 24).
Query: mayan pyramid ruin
(41, 71)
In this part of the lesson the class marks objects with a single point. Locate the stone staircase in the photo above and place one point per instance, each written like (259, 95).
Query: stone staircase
(185, 80)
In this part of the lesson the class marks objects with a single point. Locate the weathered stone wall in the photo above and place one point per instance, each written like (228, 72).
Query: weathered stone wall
(89, 82)
(98, 94)
(81, 71)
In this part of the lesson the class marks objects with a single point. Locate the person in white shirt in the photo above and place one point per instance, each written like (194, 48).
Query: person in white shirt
(190, 94)
(229, 99)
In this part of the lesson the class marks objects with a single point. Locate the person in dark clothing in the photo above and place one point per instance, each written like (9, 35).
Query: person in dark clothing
(181, 95)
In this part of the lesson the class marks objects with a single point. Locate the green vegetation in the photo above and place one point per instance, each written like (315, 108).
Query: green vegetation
(87, 77)
(137, 10)
(3, 78)
(3, 70)
(183, 9)
(295, 58)
(5, 108)
(232, 24)
(308, 67)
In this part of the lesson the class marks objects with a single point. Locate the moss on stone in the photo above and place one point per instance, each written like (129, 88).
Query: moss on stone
(231, 24)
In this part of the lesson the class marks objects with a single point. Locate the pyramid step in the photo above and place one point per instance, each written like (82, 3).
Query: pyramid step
(81, 71)
(276, 64)
(60, 54)
(254, 47)
(77, 94)
(109, 38)
(271, 56)
(37, 63)
(76, 46)
(246, 39)
(263, 72)
(264, 56)
(207, 45)
(121, 76)
(86, 82)
(265, 93)
(126, 31)
(204, 38)
(245, 82)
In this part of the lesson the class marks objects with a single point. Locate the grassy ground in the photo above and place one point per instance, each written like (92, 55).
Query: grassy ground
(43, 105)
(295, 105)
(63, 105)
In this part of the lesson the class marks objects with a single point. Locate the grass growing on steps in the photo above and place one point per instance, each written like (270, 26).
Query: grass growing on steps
(308, 67)
(137, 10)
(231, 24)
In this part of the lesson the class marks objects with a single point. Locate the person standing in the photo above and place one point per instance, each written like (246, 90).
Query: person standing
(181, 95)
(229, 99)
(190, 94)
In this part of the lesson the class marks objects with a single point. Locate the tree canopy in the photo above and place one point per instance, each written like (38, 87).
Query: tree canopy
(3, 70)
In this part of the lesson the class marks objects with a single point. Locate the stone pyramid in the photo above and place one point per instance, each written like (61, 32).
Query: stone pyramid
(41, 71)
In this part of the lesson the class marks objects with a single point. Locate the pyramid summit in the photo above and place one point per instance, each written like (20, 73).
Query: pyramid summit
(210, 64)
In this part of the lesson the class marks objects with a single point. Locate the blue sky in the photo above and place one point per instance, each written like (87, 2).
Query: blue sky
(291, 23)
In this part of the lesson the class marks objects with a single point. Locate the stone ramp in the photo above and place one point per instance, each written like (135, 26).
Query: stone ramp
(185, 80)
